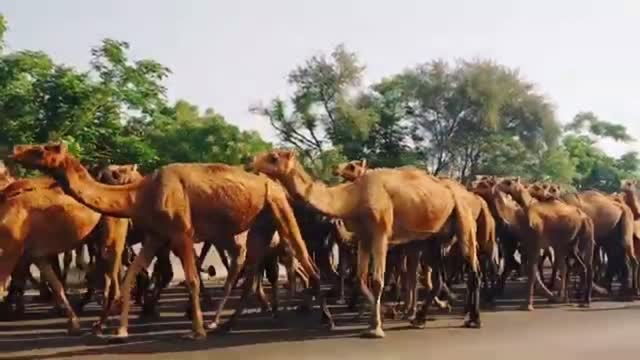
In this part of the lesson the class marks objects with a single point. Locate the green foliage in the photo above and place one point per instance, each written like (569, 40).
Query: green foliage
(461, 118)
(115, 112)
(3, 30)
(596, 127)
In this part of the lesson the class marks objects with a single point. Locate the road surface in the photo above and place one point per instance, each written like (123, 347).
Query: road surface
(608, 330)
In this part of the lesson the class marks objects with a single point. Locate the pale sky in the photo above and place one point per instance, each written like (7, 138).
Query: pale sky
(228, 54)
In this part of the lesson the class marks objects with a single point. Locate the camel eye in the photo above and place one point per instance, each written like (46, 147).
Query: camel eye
(351, 167)
(273, 159)
(507, 182)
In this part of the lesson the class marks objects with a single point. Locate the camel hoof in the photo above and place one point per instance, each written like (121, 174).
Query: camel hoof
(212, 325)
(473, 324)
(584, 305)
(74, 328)
(446, 309)
(527, 307)
(418, 323)
(376, 333)
(331, 325)
(223, 329)
(96, 328)
(341, 301)
(120, 337)
(410, 316)
(195, 335)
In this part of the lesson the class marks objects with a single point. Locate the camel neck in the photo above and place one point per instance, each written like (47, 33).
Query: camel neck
(508, 213)
(112, 200)
(332, 201)
(523, 198)
(632, 201)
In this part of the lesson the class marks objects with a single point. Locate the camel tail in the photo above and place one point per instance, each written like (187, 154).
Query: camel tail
(288, 227)
(486, 232)
(465, 231)
(627, 229)
(585, 246)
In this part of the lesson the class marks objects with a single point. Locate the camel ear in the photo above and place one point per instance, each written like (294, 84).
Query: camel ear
(363, 162)
(17, 149)
(517, 179)
(57, 148)
(288, 155)
(133, 167)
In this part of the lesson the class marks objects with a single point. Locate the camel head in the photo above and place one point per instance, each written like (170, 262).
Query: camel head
(119, 174)
(628, 185)
(539, 191)
(275, 163)
(46, 157)
(5, 177)
(555, 191)
(351, 170)
(511, 185)
(484, 186)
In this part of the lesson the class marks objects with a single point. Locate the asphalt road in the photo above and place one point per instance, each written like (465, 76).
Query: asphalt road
(607, 329)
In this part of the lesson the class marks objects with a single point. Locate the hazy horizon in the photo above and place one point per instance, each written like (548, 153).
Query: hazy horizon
(228, 56)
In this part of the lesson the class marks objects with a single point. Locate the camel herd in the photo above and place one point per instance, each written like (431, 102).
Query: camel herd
(399, 226)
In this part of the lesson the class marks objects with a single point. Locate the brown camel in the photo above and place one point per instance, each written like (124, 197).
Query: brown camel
(383, 207)
(623, 198)
(110, 233)
(566, 228)
(486, 225)
(176, 205)
(613, 230)
(408, 259)
(112, 239)
(39, 224)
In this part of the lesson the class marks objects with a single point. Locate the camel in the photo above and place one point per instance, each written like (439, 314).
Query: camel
(178, 205)
(386, 207)
(112, 240)
(613, 230)
(486, 226)
(39, 224)
(407, 259)
(567, 228)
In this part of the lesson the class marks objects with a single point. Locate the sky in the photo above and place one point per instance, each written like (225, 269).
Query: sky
(582, 54)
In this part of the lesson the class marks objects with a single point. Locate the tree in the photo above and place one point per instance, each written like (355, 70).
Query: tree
(588, 122)
(115, 112)
(456, 109)
(324, 117)
(185, 135)
(3, 30)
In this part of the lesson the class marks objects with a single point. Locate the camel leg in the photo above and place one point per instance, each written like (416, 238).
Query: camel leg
(562, 260)
(160, 278)
(141, 261)
(364, 252)
(67, 258)
(182, 246)
(58, 290)
(436, 260)
(411, 285)
(379, 254)
(111, 285)
(273, 276)
(633, 264)
(259, 290)
(533, 277)
(237, 263)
